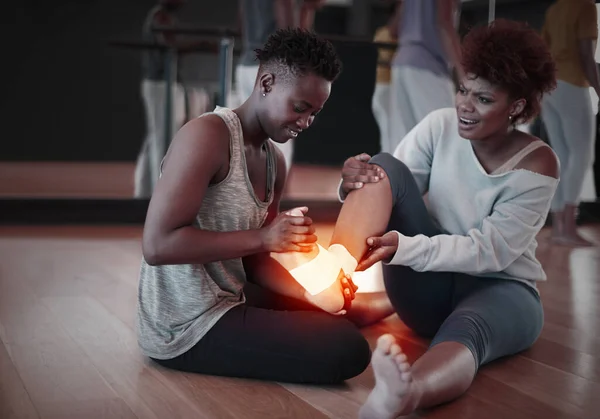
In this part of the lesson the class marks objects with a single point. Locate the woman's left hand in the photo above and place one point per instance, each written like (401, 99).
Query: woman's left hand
(349, 291)
(380, 249)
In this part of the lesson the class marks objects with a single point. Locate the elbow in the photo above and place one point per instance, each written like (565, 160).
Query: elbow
(151, 250)
(498, 264)
(151, 255)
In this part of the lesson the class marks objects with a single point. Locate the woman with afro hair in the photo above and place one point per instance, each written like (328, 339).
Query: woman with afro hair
(461, 270)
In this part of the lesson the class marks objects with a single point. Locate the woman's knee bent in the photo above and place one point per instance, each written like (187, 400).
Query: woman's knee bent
(346, 353)
(400, 178)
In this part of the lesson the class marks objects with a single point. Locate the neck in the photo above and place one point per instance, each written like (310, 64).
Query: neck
(492, 145)
(254, 134)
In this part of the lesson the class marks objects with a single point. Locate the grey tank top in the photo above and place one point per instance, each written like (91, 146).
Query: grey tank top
(178, 304)
(420, 45)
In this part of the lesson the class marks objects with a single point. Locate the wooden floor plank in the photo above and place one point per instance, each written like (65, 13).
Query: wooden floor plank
(569, 360)
(114, 408)
(54, 370)
(15, 402)
(113, 350)
(568, 393)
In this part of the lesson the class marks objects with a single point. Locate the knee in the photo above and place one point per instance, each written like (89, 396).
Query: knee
(470, 330)
(348, 353)
(397, 171)
(390, 164)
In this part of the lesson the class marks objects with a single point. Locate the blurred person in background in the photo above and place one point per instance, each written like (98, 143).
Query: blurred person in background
(428, 50)
(186, 102)
(571, 31)
(381, 105)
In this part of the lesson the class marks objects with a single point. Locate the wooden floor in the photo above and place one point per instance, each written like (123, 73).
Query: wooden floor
(67, 318)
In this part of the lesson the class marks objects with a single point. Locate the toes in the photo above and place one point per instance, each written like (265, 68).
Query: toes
(403, 366)
(385, 342)
(406, 376)
(395, 350)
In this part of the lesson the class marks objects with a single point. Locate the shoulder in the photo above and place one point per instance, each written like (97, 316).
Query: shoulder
(542, 161)
(444, 114)
(210, 130)
(437, 123)
(207, 135)
(428, 133)
(440, 122)
(439, 118)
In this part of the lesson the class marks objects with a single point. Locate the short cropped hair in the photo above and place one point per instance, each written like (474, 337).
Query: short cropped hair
(300, 52)
(515, 58)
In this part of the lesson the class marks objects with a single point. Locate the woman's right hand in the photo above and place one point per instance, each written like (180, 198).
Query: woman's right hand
(357, 171)
(289, 233)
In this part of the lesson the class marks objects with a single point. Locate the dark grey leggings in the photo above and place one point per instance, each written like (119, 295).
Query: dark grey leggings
(491, 317)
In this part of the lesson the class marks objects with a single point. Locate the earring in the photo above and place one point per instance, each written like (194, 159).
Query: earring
(264, 94)
(510, 117)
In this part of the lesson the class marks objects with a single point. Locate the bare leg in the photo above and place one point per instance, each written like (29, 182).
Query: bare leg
(557, 224)
(442, 374)
(365, 213)
(569, 235)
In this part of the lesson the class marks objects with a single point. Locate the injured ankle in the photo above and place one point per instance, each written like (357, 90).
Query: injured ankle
(319, 273)
(349, 263)
(316, 273)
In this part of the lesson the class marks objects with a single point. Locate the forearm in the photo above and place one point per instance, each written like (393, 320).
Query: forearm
(266, 272)
(189, 245)
(451, 253)
(284, 13)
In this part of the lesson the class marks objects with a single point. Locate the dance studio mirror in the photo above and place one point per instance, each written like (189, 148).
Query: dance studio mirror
(75, 107)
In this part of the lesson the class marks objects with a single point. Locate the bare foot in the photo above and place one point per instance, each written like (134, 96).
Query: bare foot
(370, 308)
(394, 393)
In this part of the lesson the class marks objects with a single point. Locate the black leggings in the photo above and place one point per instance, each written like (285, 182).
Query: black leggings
(275, 338)
(491, 317)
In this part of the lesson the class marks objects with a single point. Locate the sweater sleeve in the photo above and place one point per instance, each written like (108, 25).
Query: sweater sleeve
(502, 237)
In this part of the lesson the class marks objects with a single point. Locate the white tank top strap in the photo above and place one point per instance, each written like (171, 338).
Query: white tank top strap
(511, 163)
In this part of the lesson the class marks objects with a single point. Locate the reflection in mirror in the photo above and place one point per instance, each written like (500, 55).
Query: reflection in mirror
(78, 130)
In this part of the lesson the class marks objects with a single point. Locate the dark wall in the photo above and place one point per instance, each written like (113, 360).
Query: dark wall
(69, 96)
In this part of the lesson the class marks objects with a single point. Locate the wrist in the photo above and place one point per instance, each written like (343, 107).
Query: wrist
(262, 240)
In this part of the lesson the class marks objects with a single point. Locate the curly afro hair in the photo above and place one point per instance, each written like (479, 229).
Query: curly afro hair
(513, 57)
(302, 52)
